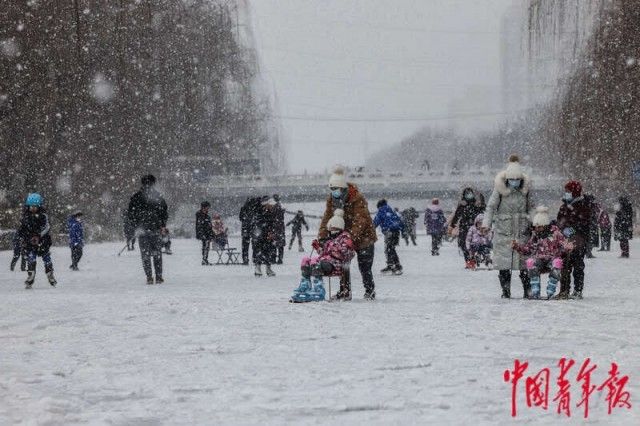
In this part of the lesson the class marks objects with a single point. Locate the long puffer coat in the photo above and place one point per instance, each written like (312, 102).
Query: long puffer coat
(508, 212)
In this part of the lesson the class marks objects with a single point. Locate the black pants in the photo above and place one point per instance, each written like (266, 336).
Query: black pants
(206, 246)
(436, 242)
(462, 244)
(391, 240)
(605, 239)
(246, 241)
(150, 247)
(573, 263)
(504, 275)
(409, 232)
(263, 251)
(365, 263)
(296, 233)
(76, 255)
(279, 254)
(624, 248)
(18, 253)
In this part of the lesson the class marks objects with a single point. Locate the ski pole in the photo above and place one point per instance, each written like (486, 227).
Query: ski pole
(123, 248)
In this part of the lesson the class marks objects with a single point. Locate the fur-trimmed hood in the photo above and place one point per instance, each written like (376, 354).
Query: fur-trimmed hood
(500, 184)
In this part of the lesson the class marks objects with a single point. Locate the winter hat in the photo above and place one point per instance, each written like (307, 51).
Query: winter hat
(77, 213)
(148, 180)
(479, 218)
(337, 221)
(542, 216)
(205, 204)
(381, 203)
(267, 201)
(34, 199)
(435, 201)
(338, 179)
(574, 187)
(514, 171)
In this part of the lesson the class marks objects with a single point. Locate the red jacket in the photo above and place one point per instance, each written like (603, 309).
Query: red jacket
(545, 247)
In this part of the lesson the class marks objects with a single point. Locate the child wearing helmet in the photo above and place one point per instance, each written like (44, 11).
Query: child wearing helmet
(34, 231)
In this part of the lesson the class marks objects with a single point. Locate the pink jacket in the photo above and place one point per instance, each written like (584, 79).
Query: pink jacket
(338, 251)
(555, 245)
(476, 238)
(218, 227)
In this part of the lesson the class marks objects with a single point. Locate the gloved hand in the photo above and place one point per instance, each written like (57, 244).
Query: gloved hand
(316, 245)
(568, 232)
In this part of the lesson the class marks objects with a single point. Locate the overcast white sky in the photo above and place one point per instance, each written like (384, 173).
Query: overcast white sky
(378, 60)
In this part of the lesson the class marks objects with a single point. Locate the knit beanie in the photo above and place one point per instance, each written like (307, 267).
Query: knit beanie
(337, 221)
(338, 179)
(514, 170)
(542, 216)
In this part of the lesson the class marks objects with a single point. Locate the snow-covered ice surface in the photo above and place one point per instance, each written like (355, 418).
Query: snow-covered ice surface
(215, 345)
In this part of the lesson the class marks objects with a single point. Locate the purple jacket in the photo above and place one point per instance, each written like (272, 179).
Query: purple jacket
(434, 220)
(475, 238)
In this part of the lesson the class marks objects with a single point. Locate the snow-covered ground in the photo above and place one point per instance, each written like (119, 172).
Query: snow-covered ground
(215, 345)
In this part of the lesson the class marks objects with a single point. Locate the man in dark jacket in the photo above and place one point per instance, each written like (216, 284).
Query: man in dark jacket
(279, 229)
(204, 231)
(148, 214)
(34, 232)
(391, 225)
(296, 229)
(264, 236)
(623, 225)
(574, 218)
(76, 239)
(247, 212)
(463, 218)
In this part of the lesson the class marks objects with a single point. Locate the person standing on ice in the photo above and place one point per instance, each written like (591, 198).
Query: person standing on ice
(279, 228)
(435, 222)
(264, 237)
(247, 214)
(148, 215)
(204, 230)
(463, 218)
(545, 250)
(391, 225)
(623, 225)
(76, 239)
(34, 232)
(574, 220)
(296, 229)
(508, 212)
(358, 223)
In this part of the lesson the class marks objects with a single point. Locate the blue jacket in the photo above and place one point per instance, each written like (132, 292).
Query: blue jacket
(76, 233)
(387, 219)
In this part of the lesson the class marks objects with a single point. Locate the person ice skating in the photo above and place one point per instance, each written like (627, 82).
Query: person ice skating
(34, 232)
(204, 230)
(18, 252)
(279, 229)
(220, 231)
(358, 223)
(264, 237)
(436, 224)
(544, 250)
(129, 231)
(479, 244)
(574, 220)
(76, 238)
(296, 224)
(604, 223)
(508, 212)
(391, 224)
(148, 214)
(247, 213)
(334, 258)
(623, 225)
(409, 218)
(463, 218)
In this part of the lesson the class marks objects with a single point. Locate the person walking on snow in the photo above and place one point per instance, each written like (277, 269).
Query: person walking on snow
(204, 231)
(508, 212)
(574, 220)
(436, 224)
(34, 232)
(463, 218)
(279, 228)
(391, 225)
(623, 225)
(296, 229)
(358, 223)
(264, 236)
(545, 249)
(76, 239)
(148, 214)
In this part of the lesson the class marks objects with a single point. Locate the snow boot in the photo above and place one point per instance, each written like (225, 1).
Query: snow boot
(534, 289)
(552, 284)
(150, 281)
(318, 293)
(387, 270)
(258, 271)
(159, 279)
(300, 294)
(31, 277)
(577, 294)
(52, 279)
(270, 272)
(300, 249)
(369, 294)
(563, 295)
(396, 270)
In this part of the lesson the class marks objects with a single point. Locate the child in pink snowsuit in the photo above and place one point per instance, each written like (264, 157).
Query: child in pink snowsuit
(546, 247)
(333, 257)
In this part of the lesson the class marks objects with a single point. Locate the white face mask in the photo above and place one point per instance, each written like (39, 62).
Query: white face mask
(514, 183)
(616, 207)
(567, 197)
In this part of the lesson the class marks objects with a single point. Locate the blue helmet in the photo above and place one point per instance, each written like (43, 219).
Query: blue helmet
(34, 199)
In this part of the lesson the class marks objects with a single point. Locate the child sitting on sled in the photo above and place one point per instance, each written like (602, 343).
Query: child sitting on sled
(546, 247)
(334, 255)
(479, 244)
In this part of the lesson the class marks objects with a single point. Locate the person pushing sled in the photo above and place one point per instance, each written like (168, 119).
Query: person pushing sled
(334, 256)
